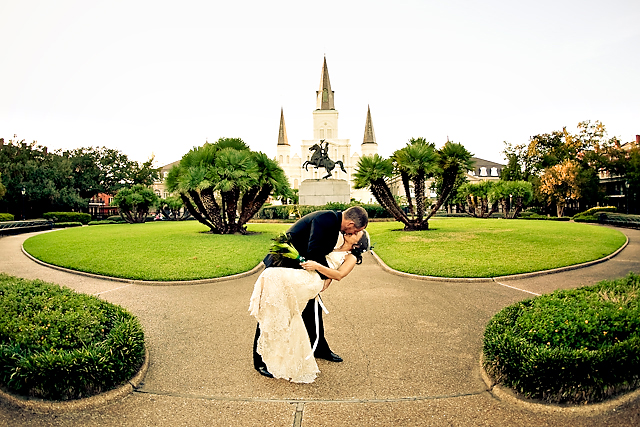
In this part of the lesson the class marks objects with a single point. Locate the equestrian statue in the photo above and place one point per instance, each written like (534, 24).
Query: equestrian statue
(320, 159)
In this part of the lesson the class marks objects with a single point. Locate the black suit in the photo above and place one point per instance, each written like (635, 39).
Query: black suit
(314, 236)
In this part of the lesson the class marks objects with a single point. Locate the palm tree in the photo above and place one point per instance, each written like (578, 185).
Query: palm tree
(211, 180)
(454, 161)
(416, 162)
(373, 172)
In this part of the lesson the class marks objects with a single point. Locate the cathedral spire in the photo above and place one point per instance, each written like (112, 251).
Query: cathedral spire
(369, 135)
(325, 94)
(282, 134)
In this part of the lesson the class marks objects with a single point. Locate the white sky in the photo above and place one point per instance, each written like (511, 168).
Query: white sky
(161, 77)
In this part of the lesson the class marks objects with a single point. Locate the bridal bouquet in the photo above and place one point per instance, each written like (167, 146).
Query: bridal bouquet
(282, 248)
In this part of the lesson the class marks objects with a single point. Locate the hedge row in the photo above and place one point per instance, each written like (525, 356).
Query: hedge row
(84, 218)
(58, 344)
(298, 211)
(620, 220)
(574, 346)
(67, 224)
(535, 216)
(6, 217)
(593, 214)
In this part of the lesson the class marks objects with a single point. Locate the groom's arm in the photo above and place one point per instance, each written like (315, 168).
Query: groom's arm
(322, 238)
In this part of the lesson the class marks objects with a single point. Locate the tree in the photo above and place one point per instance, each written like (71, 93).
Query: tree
(476, 196)
(559, 184)
(417, 161)
(135, 202)
(3, 189)
(171, 208)
(223, 185)
(44, 176)
(513, 196)
(453, 163)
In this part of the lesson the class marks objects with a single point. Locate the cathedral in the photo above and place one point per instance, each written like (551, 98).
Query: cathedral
(325, 127)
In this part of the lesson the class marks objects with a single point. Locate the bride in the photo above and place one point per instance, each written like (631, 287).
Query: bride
(280, 295)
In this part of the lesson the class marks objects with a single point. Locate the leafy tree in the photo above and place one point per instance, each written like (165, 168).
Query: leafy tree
(171, 208)
(476, 196)
(559, 184)
(134, 203)
(46, 178)
(3, 189)
(513, 196)
(223, 185)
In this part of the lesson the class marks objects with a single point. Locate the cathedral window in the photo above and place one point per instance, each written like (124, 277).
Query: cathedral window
(483, 171)
(321, 134)
(287, 159)
(280, 159)
(329, 133)
(494, 171)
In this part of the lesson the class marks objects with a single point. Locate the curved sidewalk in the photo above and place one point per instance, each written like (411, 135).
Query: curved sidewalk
(411, 348)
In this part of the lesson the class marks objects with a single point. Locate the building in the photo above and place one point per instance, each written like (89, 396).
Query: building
(616, 187)
(325, 127)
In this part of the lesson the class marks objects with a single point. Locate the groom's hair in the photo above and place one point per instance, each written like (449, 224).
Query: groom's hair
(358, 215)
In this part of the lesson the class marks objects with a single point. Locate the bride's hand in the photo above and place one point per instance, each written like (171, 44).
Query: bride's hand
(310, 265)
(327, 282)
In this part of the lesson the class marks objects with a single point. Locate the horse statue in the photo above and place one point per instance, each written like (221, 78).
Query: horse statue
(320, 159)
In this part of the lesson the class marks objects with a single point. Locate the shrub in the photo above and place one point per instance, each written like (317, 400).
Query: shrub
(83, 218)
(593, 214)
(104, 221)
(6, 217)
(58, 344)
(67, 224)
(574, 346)
(284, 211)
(620, 220)
(535, 216)
(115, 218)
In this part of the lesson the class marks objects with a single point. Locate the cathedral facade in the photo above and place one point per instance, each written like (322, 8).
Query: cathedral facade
(325, 127)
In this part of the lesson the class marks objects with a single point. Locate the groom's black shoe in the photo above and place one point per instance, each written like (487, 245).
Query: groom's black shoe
(331, 357)
(263, 371)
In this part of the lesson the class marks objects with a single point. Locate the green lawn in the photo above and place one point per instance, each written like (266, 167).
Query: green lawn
(453, 247)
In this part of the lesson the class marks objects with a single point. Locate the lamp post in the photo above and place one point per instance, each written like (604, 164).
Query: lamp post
(23, 191)
(626, 186)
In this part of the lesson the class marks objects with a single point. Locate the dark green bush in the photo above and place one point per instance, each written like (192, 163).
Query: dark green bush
(84, 218)
(574, 346)
(6, 217)
(67, 224)
(535, 216)
(58, 344)
(298, 211)
(104, 221)
(620, 220)
(115, 218)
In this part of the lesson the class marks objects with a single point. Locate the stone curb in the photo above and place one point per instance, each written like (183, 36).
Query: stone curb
(56, 407)
(146, 282)
(493, 279)
(590, 410)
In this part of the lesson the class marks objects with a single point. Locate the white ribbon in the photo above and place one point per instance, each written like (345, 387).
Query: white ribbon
(318, 300)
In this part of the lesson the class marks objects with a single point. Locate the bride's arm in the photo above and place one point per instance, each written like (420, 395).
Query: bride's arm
(340, 273)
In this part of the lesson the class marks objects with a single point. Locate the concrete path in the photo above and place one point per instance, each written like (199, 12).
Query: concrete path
(411, 352)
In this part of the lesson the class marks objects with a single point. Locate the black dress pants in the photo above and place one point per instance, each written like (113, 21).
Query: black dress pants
(309, 319)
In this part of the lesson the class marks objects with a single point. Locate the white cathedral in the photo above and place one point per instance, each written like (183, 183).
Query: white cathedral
(325, 127)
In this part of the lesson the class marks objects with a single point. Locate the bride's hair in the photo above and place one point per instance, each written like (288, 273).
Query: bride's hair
(361, 247)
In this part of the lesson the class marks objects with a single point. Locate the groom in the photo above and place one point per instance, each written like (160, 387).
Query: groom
(314, 236)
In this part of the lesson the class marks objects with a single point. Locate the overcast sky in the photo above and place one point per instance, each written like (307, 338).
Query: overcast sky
(157, 77)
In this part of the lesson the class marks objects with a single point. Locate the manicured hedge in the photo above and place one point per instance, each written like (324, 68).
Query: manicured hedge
(298, 211)
(593, 214)
(6, 217)
(620, 220)
(67, 224)
(574, 346)
(84, 218)
(57, 344)
(535, 216)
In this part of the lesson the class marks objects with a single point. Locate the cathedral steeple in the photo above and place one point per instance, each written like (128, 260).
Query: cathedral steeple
(324, 96)
(369, 135)
(282, 134)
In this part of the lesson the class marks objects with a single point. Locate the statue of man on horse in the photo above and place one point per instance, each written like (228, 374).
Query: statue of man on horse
(320, 159)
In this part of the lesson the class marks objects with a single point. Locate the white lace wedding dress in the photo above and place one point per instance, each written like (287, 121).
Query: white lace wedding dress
(279, 297)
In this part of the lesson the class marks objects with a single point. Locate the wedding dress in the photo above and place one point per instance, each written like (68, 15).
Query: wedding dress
(279, 297)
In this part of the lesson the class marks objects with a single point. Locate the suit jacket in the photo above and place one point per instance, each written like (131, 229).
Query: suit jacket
(314, 236)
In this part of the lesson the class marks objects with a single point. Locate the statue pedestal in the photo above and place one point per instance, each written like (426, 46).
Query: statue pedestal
(318, 192)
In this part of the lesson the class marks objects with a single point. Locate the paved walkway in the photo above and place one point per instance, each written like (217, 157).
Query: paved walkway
(411, 349)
